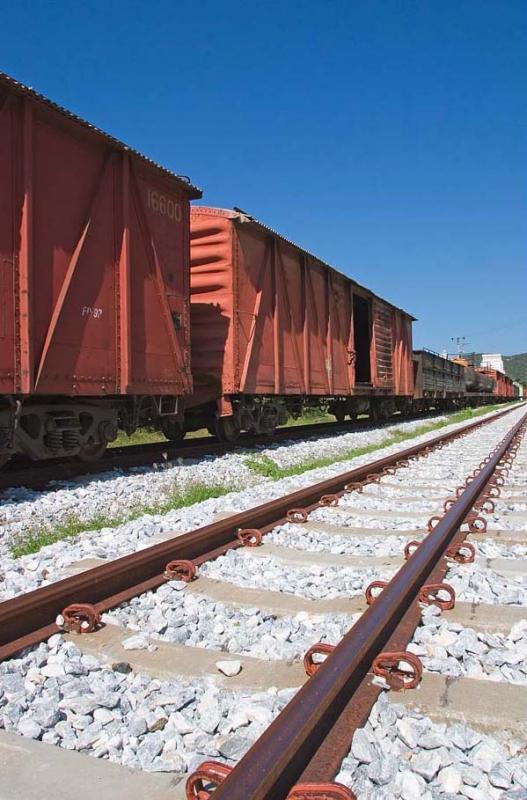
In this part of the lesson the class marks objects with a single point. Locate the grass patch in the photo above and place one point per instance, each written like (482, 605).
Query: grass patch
(34, 539)
(193, 493)
(268, 468)
(150, 436)
(311, 416)
(141, 436)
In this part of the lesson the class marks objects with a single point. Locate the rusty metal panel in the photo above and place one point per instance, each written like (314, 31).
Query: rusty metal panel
(402, 354)
(383, 324)
(100, 259)
(288, 319)
(8, 226)
(342, 372)
(211, 282)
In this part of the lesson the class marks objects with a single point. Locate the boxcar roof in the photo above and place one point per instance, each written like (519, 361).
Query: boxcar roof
(20, 88)
(237, 215)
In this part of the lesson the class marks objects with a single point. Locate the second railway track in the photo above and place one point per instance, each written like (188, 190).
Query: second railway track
(38, 474)
(190, 671)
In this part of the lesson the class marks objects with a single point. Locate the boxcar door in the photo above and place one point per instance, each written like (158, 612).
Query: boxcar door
(362, 338)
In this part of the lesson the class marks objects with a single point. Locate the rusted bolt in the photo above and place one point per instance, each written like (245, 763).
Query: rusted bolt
(201, 784)
(432, 522)
(463, 553)
(320, 791)
(182, 570)
(79, 618)
(403, 462)
(250, 537)
(296, 515)
(370, 597)
(318, 649)
(331, 500)
(373, 477)
(429, 595)
(409, 549)
(387, 666)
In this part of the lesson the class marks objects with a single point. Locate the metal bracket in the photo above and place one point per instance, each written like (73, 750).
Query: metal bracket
(320, 648)
(79, 618)
(180, 571)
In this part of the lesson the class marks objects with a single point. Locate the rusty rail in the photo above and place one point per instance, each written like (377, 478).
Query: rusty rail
(274, 764)
(30, 618)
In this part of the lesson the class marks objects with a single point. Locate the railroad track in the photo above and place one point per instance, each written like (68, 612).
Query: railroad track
(311, 553)
(38, 474)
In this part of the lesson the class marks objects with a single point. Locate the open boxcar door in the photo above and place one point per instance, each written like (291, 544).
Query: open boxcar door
(362, 337)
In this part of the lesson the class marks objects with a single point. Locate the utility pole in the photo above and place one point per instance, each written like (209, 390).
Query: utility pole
(460, 344)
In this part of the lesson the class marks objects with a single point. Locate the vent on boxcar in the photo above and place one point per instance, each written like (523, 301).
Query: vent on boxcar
(383, 327)
(362, 338)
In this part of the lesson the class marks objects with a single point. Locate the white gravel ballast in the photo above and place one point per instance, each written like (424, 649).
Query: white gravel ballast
(57, 694)
(400, 755)
(173, 615)
(92, 498)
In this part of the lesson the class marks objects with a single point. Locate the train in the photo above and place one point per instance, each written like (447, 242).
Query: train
(124, 306)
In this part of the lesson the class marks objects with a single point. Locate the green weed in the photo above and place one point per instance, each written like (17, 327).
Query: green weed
(34, 539)
(266, 466)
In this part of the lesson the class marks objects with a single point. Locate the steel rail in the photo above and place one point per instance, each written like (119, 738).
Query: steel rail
(28, 619)
(277, 760)
(37, 474)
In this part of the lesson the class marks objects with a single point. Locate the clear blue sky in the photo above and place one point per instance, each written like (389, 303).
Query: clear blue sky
(388, 137)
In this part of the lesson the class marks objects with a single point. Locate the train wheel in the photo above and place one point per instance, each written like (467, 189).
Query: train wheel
(227, 430)
(339, 415)
(173, 431)
(92, 452)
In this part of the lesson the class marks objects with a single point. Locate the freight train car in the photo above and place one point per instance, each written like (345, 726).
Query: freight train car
(275, 329)
(479, 387)
(94, 265)
(503, 385)
(438, 382)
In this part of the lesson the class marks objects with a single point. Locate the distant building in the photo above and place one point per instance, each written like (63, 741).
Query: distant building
(493, 361)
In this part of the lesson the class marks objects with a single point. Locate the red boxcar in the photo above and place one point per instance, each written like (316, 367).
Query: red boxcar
(274, 329)
(94, 282)
(503, 387)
